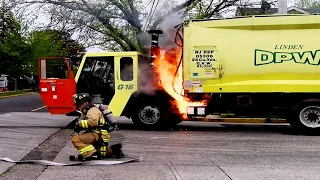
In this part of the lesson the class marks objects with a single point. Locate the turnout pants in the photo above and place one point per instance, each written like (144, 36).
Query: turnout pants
(84, 144)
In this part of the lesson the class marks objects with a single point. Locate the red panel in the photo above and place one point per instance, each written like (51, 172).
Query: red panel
(57, 93)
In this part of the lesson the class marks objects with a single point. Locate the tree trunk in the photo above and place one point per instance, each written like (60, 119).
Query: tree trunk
(16, 84)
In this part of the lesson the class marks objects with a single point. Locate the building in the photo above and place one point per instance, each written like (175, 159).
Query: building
(246, 11)
(3, 82)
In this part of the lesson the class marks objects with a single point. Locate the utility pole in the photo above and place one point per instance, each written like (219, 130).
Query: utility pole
(282, 7)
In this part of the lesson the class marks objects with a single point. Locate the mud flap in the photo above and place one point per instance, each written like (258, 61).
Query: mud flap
(128, 157)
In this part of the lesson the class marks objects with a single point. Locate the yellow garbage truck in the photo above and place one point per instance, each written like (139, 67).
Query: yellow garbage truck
(249, 66)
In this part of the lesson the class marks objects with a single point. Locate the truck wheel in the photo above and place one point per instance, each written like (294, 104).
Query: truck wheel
(151, 114)
(306, 117)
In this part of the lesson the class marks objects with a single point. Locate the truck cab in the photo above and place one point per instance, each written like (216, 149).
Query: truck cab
(124, 81)
(112, 76)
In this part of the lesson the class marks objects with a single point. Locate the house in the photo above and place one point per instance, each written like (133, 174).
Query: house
(245, 11)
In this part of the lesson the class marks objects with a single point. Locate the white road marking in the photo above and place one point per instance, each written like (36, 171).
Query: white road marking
(38, 108)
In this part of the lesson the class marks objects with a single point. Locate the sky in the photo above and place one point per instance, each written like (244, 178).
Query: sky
(43, 18)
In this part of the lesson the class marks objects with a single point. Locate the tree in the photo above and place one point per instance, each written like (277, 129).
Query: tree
(14, 51)
(45, 43)
(119, 24)
(308, 3)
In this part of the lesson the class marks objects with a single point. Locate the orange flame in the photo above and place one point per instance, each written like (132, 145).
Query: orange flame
(166, 68)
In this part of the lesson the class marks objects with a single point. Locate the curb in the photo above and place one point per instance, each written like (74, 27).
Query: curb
(23, 94)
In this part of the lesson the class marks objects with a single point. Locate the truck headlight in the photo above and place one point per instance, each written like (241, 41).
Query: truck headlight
(201, 111)
(196, 111)
(190, 110)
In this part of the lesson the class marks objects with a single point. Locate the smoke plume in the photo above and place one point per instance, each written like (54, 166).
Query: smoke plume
(148, 81)
(167, 39)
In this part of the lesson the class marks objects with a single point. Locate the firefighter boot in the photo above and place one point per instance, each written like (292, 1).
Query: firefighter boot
(117, 151)
(94, 156)
(105, 151)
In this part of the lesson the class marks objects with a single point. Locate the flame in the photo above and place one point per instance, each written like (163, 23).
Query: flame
(166, 67)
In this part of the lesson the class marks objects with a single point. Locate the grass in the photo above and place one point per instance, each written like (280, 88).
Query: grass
(12, 93)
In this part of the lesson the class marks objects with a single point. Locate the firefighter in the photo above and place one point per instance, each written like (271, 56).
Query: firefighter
(93, 143)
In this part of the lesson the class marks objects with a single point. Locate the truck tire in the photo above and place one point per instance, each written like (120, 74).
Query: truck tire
(152, 115)
(305, 117)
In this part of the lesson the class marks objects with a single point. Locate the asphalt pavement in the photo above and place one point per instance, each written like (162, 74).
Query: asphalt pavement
(205, 152)
(24, 103)
(22, 132)
(25, 124)
(192, 150)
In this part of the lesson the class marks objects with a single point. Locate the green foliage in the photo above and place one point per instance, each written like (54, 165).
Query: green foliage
(57, 69)
(48, 43)
(14, 50)
(308, 3)
(19, 54)
(197, 10)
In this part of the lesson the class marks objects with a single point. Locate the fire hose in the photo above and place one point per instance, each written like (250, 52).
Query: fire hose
(109, 120)
(131, 158)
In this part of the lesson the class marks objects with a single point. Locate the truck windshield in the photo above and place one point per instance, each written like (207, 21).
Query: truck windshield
(97, 77)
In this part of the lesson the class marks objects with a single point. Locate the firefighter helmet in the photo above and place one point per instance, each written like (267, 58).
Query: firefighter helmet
(81, 98)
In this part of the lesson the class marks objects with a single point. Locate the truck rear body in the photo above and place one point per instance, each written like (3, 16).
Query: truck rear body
(254, 54)
(253, 62)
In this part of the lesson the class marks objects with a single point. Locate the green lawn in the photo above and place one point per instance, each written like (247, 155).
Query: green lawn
(3, 94)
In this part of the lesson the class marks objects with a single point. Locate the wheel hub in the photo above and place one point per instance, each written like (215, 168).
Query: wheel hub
(149, 114)
(310, 116)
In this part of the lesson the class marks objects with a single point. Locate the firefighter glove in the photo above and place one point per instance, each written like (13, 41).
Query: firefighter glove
(76, 127)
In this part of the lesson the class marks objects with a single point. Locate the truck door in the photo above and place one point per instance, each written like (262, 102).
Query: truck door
(56, 85)
(125, 82)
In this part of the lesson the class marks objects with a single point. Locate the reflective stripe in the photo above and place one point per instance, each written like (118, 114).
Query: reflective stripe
(86, 149)
(103, 150)
(102, 121)
(102, 131)
(105, 139)
(83, 124)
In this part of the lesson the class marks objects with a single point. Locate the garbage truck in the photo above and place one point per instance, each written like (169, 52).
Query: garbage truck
(254, 66)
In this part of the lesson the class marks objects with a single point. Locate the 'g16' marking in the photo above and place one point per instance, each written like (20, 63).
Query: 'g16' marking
(125, 87)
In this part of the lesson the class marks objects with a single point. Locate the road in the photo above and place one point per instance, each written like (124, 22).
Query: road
(25, 103)
(194, 150)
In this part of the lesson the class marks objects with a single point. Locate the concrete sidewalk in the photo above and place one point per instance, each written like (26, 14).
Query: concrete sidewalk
(22, 132)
